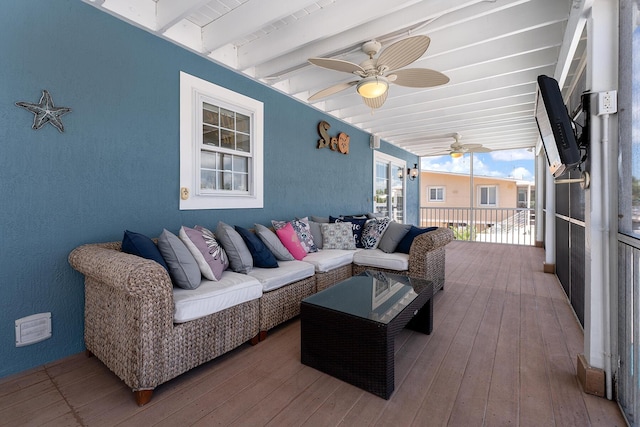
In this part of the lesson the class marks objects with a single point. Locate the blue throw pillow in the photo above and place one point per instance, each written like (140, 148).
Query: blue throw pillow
(142, 246)
(262, 256)
(405, 244)
(357, 225)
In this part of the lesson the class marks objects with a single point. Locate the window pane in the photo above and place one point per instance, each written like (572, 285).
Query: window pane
(227, 183)
(227, 138)
(243, 142)
(240, 164)
(240, 182)
(483, 196)
(227, 160)
(227, 119)
(208, 160)
(210, 136)
(243, 123)
(210, 114)
(207, 179)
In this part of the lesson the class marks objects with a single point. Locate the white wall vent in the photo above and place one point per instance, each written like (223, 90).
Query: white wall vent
(33, 329)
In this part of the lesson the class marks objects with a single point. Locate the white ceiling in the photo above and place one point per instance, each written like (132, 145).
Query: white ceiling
(492, 51)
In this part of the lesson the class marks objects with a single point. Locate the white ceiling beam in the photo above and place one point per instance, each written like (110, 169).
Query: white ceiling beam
(350, 14)
(486, 114)
(170, 12)
(137, 12)
(575, 24)
(245, 19)
(434, 116)
(337, 41)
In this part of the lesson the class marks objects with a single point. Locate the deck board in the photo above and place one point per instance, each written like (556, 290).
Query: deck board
(503, 352)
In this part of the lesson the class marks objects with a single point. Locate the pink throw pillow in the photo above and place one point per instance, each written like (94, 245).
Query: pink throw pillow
(290, 240)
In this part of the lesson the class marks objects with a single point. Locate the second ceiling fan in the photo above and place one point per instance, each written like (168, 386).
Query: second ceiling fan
(457, 149)
(376, 73)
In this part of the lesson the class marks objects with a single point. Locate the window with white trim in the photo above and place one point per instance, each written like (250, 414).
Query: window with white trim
(436, 194)
(488, 195)
(221, 146)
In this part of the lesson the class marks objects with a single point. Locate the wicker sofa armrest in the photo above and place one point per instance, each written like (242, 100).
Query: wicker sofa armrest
(427, 255)
(431, 240)
(133, 275)
(128, 311)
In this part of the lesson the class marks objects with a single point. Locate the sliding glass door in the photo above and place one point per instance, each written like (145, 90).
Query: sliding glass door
(389, 188)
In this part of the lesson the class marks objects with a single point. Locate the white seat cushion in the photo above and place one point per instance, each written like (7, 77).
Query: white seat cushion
(378, 258)
(328, 259)
(213, 296)
(287, 272)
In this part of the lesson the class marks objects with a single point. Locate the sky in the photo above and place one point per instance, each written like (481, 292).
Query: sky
(517, 164)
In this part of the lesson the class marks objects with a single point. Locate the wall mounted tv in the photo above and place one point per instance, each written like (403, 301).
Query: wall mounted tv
(556, 130)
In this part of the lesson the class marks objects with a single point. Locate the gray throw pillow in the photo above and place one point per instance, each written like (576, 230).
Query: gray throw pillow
(320, 219)
(273, 243)
(316, 232)
(392, 236)
(183, 268)
(240, 259)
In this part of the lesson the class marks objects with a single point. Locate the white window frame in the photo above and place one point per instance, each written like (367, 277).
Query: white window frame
(193, 92)
(436, 187)
(392, 161)
(488, 187)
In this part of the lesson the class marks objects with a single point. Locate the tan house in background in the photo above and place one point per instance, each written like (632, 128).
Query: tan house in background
(445, 201)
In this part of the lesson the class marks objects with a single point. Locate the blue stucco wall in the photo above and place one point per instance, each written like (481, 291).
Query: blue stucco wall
(116, 165)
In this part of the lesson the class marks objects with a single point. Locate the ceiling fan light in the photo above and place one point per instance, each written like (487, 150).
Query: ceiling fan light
(372, 86)
(456, 154)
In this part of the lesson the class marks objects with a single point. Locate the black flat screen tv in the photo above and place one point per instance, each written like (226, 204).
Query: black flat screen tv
(556, 130)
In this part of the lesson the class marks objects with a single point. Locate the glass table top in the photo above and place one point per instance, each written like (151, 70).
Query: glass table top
(371, 295)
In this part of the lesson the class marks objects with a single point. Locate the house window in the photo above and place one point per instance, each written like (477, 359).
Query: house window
(436, 194)
(488, 195)
(221, 143)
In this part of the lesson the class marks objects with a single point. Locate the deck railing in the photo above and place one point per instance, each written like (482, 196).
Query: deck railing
(514, 226)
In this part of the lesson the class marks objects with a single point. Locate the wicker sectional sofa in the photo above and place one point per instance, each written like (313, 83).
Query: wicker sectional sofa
(131, 304)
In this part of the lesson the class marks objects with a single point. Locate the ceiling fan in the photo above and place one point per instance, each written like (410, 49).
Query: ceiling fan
(375, 74)
(458, 149)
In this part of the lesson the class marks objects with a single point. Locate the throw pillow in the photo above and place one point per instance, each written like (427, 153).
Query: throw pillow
(140, 245)
(316, 232)
(290, 240)
(273, 243)
(262, 256)
(320, 219)
(375, 215)
(301, 227)
(204, 247)
(183, 268)
(240, 259)
(338, 236)
(405, 244)
(373, 231)
(357, 225)
(392, 236)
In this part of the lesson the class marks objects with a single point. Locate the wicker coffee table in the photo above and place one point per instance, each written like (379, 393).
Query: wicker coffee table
(348, 330)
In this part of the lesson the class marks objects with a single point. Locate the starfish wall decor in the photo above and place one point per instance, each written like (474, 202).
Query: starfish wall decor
(45, 112)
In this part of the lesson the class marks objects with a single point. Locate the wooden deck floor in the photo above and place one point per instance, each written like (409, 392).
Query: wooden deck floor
(503, 352)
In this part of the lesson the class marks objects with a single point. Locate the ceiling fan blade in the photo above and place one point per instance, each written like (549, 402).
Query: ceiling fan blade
(331, 90)
(375, 102)
(404, 52)
(480, 150)
(471, 146)
(336, 64)
(419, 77)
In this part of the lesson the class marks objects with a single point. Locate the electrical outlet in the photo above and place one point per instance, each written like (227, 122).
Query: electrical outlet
(607, 102)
